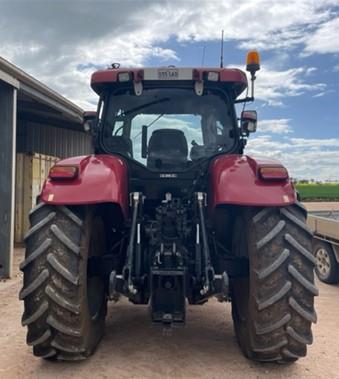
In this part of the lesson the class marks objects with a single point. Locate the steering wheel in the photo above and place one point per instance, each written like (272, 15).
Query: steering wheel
(221, 129)
(118, 130)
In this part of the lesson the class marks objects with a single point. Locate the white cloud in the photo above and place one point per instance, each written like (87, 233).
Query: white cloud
(320, 94)
(310, 71)
(323, 93)
(277, 126)
(273, 86)
(332, 143)
(50, 40)
(324, 39)
(264, 24)
(304, 158)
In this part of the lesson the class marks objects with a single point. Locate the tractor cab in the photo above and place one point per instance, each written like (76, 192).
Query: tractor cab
(168, 119)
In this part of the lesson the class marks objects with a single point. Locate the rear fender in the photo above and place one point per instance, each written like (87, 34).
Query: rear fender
(100, 179)
(234, 180)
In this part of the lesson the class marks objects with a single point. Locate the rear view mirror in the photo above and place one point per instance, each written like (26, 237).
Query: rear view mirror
(89, 121)
(248, 122)
(144, 141)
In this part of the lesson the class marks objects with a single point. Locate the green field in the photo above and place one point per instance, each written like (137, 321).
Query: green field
(313, 191)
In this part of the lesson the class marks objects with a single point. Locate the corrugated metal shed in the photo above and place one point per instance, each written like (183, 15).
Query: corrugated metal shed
(31, 172)
(38, 126)
(33, 91)
(50, 140)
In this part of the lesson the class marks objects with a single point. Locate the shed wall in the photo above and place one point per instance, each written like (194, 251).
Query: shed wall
(31, 172)
(39, 146)
(50, 140)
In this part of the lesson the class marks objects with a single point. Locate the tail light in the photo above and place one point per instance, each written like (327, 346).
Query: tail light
(273, 173)
(63, 172)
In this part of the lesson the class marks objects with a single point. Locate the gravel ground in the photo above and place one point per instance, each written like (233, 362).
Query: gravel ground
(133, 348)
(322, 206)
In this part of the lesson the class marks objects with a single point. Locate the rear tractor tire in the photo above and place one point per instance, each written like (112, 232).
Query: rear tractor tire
(64, 309)
(273, 307)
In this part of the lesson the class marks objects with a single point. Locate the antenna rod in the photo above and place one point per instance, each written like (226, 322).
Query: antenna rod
(222, 50)
(203, 56)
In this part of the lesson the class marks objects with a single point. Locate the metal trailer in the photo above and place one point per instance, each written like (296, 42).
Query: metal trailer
(325, 225)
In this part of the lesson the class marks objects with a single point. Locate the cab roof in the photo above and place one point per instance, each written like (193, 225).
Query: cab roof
(231, 79)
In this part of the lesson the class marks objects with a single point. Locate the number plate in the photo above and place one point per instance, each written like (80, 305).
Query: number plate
(168, 74)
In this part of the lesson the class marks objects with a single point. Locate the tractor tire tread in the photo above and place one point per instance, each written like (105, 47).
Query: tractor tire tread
(52, 285)
(66, 349)
(41, 339)
(273, 325)
(62, 237)
(71, 215)
(296, 220)
(62, 327)
(35, 315)
(271, 348)
(277, 325)
(60, 269)
(36, 209)
(61, 301)
(308, 315)
(308, 340)
(294, 243)
(299, 277)
(277, 296)
(39, 225)
(36, 253)
(34, 285)
(271, 234)
(264, 273)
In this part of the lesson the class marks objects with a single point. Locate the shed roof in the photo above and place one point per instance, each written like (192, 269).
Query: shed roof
(36, 100)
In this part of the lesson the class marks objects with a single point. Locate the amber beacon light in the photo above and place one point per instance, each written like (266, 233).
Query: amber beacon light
(253, 62)
(252, 65)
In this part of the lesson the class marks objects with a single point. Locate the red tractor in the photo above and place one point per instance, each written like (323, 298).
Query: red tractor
(168, 211)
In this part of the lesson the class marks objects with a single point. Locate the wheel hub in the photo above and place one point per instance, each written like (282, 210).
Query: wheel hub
(323, 261)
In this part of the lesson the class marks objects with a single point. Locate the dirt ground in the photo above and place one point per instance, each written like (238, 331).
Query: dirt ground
(133, 348)
(322, 206)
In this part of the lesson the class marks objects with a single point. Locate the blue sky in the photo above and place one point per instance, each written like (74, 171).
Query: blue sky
(297, 88)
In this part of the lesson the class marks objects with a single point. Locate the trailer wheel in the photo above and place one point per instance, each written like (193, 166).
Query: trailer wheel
(64, 308)
(273, 307)
(327, 267)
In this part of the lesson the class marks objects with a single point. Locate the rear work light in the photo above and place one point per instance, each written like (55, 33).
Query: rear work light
(63, 172)
(273, 173)
(213, 76)
(124, 76)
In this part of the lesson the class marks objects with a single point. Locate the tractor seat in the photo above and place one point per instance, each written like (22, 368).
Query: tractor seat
(120, 144)
(167, 149)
